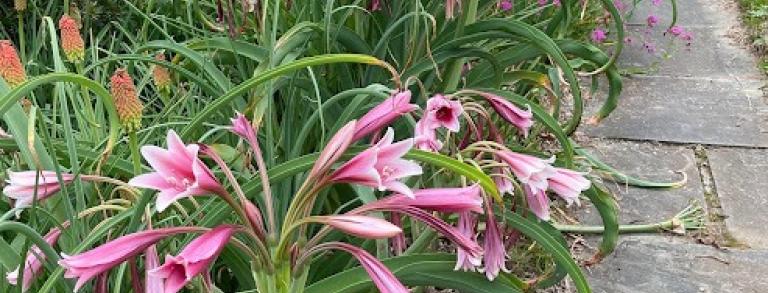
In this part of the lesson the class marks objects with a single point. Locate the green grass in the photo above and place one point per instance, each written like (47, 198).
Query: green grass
(755, 19)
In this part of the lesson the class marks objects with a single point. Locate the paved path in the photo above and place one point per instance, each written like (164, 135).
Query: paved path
(702, 113)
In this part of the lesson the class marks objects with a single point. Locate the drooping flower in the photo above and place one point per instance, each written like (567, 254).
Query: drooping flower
(361, 226)
(127, 101)
(335, 148)
(89, 264)
(161, 76)
(384, 114)
(23, 185)
(528, 169)
(538, 201)
(450, 8)
(465, 260)
(598, 35)
(502, 181)
(442, 112)
(619, 5)
(505, 5)
(11, 69)
(71, 40)
(676, 30)
(380, 166)
(652, 20)
(381, 276)
(446, 200)
(152, 283)
(194, 259)
(568, 184)
(521, 119)
(33, 263)
(468, 244)
(375, 5)
(556, 3)
(179, 173)
(495, 255)
(425, 138)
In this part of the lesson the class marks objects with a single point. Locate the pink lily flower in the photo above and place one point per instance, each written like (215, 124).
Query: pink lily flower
(450, 8)
(380, 166)
(568, 184)
(505, 5)
(335, 148)
(425, 138)
(89, 264)
(521, 119)
(381, 276)
(462, 241)
(375, 5)
(384, 114)
(538, 201)
(442, 112)
(361, 226)
(528, 169)
(179, 173)
(21, 186)
(465, 260)
(495, 256)
(502, 181)
(153, 284)
(194, 259)
(446, 200)
(33, 263)
(242, 127)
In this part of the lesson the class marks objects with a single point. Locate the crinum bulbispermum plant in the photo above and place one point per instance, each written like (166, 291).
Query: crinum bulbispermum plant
(281, 252)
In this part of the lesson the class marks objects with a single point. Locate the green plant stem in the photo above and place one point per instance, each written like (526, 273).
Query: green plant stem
(624, 229)
(133, 143)
(22, 38)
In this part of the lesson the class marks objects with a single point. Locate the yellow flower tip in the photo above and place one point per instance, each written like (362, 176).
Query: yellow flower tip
(127, 102)
(11, 69)
(20, 5)
(71, 41)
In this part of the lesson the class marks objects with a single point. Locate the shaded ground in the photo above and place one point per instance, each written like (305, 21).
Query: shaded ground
(704, 114)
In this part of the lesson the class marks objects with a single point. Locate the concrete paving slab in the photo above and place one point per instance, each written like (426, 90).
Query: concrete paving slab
(670, 109)
(689, 14)
(652, 162)
(651, 264)
(740, 179)
(711, 55)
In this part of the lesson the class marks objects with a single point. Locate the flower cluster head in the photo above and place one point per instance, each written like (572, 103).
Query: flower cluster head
(11, 69)
(71, 40)
(127, 102)
(161, 76)
(20, 5)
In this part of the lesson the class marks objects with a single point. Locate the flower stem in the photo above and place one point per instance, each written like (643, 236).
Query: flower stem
(135, 156)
